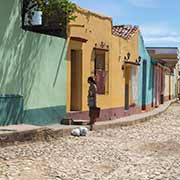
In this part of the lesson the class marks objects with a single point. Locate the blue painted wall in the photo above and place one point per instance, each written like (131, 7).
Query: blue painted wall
(149, 75)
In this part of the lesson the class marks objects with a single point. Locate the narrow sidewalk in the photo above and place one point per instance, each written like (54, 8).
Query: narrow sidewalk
(24, 133)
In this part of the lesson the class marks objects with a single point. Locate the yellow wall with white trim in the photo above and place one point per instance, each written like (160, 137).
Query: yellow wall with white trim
(97, 28)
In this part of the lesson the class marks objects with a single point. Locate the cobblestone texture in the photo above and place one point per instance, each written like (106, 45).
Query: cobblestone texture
(149, 150)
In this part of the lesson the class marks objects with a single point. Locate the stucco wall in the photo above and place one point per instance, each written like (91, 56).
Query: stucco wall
(120, 48)
(173, 86)
(149, 74)
(96, 28)
(170, 85)
(175, 80)
(32, 65)
(167, 85)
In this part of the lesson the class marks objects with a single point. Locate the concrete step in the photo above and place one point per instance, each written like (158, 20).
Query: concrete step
(69, 121)
(80, 122)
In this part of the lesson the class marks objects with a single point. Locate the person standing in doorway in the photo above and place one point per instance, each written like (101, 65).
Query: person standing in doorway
(92, 101)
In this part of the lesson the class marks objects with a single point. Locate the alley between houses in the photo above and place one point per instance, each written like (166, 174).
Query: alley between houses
(149, 150)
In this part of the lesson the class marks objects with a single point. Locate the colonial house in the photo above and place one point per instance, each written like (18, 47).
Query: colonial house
(111, 55)
(165, 60)
(146, 78)
(43, 72)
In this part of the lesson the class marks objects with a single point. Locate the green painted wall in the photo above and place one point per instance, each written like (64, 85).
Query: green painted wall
(32, 65)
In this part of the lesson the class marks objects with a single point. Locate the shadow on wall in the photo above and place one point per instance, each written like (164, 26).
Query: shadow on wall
(11, 48)
(21, 54)
(59, 64)
(17, 53)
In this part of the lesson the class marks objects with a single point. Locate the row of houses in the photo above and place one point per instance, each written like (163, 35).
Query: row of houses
(130, 77)
(44, 75)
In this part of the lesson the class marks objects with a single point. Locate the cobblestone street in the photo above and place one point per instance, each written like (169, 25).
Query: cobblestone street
(149, 150)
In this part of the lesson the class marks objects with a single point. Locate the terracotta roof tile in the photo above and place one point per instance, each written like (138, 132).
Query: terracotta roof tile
(124, 31)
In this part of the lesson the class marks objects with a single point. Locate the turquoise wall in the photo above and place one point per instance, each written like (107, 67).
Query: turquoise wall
(32, 65)
(149, 75)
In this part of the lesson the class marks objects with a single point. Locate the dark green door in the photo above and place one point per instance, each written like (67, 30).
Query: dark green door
(144, 83)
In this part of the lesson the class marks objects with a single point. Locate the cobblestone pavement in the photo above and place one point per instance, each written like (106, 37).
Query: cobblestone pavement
(149, 150)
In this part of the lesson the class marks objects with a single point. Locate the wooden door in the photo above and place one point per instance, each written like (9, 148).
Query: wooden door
(162, 78)
(144, 84)
(153, 85)
(76, 80)
(156, 86)
(169, 87)
(126, 96)
(127, 84)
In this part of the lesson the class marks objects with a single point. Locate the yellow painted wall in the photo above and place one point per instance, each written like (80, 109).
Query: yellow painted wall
(167, 85)
(96, 28)
(120, 48)
(172, 86)
(177, 76)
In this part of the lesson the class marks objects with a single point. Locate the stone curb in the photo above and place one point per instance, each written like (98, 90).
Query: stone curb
(41, 134)
(48, 133)
(120, 123)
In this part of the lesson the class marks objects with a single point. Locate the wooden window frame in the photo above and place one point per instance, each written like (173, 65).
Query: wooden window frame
(106, 68)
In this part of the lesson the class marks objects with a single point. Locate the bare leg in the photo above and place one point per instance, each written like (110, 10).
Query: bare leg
(92, 121)
(91, 127)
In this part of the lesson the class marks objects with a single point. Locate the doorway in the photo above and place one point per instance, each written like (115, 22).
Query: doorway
(127, 84)
(169, 87)
(157, 86)
(153, 84)
(144, 84)
(126, 96)
(76, 80)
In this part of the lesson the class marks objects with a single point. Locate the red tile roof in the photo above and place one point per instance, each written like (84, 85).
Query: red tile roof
(124, 31)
